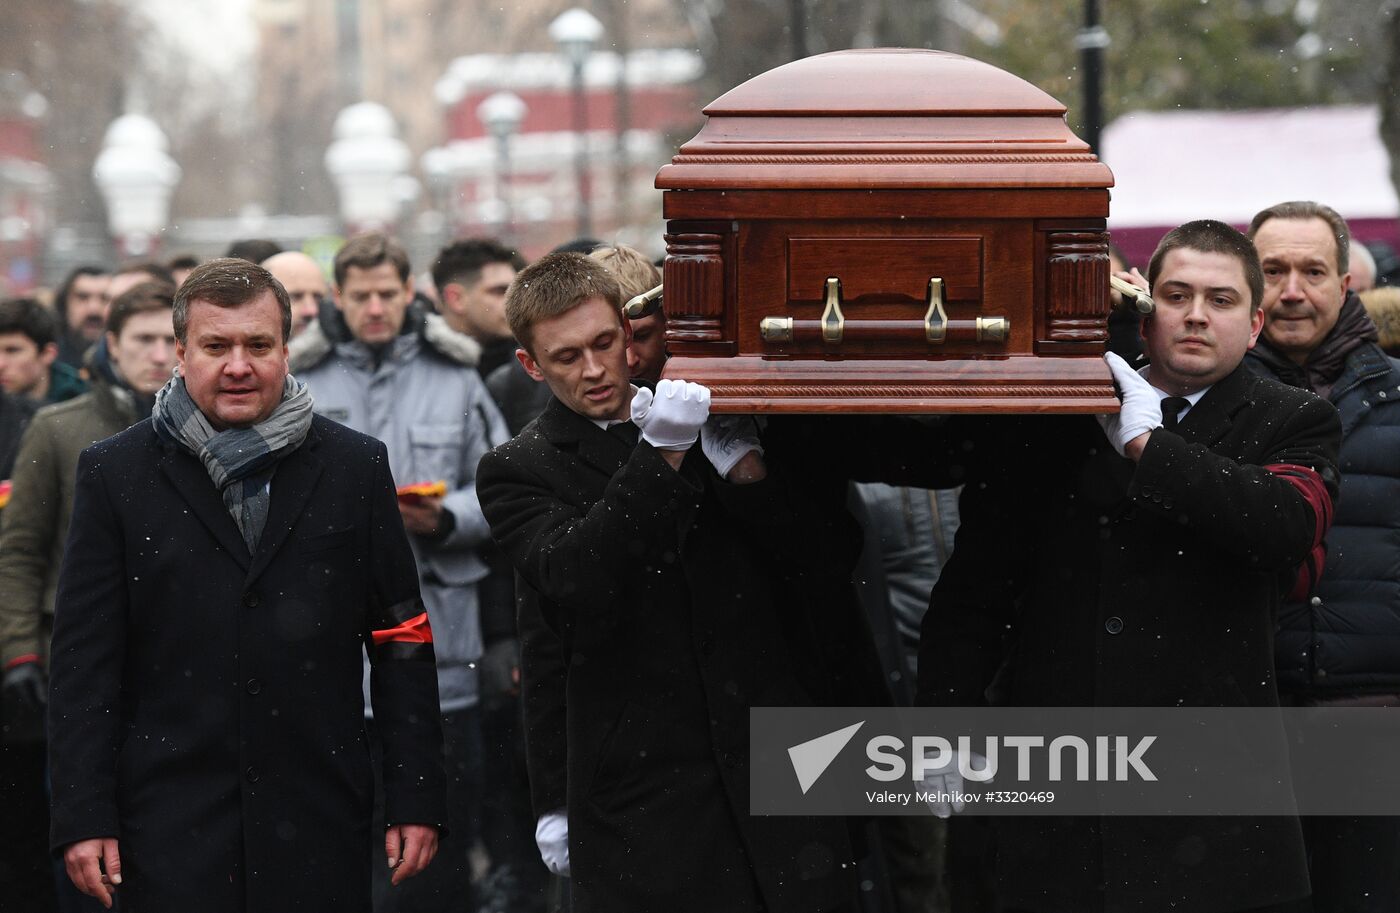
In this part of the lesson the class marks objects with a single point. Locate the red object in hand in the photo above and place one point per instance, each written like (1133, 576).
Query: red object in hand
(5, 487)
(420, 490)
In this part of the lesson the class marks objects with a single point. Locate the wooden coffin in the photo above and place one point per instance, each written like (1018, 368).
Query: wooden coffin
(888, 230)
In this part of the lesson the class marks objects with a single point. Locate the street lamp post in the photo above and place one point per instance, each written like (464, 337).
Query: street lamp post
(575, 31)
(437, 165)
(1091, 40)
(368, 161)
(136, 175)
(501, 114)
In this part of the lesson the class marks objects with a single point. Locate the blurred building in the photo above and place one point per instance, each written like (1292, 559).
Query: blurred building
(1173, 166)
(315, 57)
(25, 183)
(74, 56)
(297, 99)
(528, 189)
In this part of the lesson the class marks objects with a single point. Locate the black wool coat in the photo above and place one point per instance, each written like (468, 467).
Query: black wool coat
(830, 639)
(206, 705)
(1081, 579)
(672, 627)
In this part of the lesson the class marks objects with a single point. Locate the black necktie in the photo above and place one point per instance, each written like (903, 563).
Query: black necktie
(1172, 407)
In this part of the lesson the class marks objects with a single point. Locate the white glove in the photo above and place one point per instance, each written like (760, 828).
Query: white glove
(552, 837)
(947, 782)
(1142, 408)
(671, 418)
(727, 439)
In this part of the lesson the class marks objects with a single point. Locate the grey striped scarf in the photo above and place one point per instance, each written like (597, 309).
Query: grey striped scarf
(240, 461)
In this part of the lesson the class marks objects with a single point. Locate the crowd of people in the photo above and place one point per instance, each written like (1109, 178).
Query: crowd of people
(374, 589)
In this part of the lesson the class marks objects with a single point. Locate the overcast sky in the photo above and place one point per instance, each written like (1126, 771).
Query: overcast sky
(218, 32)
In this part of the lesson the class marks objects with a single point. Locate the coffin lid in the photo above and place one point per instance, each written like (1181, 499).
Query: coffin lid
(890, 118)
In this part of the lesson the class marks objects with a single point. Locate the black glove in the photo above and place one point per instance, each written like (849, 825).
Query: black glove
(26, 687)
(500, 668)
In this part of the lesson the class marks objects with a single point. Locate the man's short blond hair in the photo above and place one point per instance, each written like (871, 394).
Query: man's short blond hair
(635, 273)
(556, 284)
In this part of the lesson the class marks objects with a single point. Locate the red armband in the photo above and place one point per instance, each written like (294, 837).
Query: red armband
(416, 630)
(1309, 484)
(1314, 492)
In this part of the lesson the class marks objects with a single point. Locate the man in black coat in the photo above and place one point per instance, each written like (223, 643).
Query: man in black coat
(1143, 566)
(15, 413)
(228, 562)
(651, 562)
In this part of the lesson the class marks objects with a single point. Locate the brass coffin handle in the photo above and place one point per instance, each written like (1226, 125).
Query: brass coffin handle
(833, 328)
(936, 320)
(985, 329)
(1139, 298)
(993, 329)
(641, 305)
(775, 329)
(833, 321)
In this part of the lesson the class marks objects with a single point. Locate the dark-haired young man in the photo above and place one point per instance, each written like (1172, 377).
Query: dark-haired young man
(229, 562)
(522, 400)
(81, 304)
(29, 365)
(471, 277)
(1152, 556)
(666, 645)
(127, 367)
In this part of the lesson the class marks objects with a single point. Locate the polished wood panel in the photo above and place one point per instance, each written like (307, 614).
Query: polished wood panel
(1004, 285)
(883, 169)
(883, 204)
(873, 270)
(1010, 384)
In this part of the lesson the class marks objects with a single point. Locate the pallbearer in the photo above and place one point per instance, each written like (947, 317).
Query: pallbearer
(646, 531)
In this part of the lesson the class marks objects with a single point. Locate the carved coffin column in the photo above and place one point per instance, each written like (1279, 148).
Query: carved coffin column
(1076, 292)
(695, 287)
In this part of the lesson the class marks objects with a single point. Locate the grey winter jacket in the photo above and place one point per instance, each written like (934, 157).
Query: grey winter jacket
(428, 405)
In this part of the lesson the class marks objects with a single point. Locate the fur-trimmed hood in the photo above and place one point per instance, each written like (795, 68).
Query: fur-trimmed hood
(321, 336)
